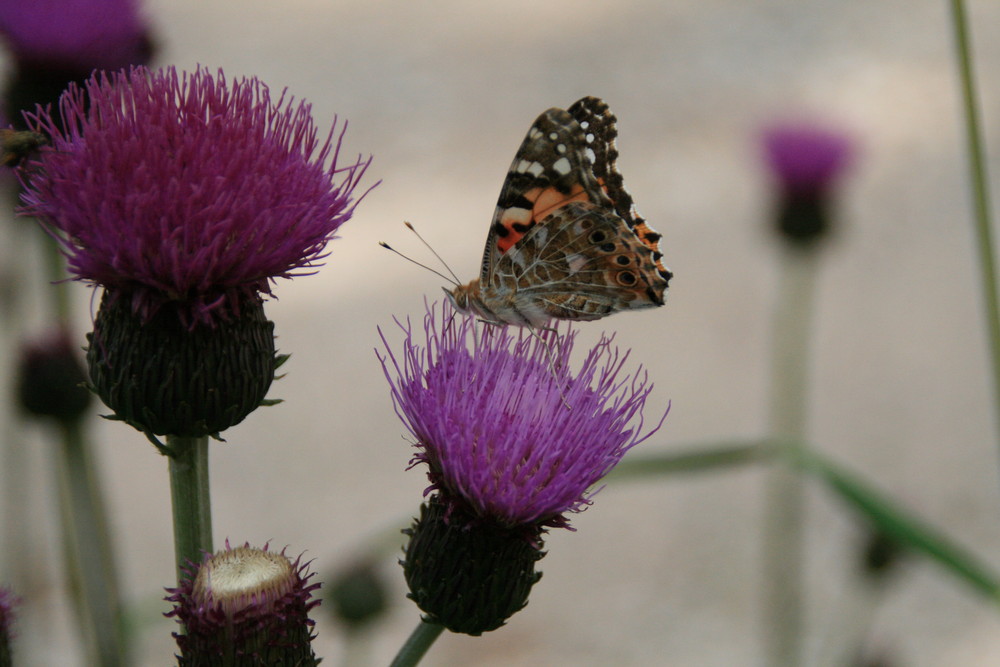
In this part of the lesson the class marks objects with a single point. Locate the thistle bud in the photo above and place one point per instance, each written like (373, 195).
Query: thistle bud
(245, 606)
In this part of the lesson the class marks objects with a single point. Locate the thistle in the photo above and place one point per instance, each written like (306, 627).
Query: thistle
(513, 441)
(245, 606)
(806, 162)
(185, 197)
(54, 42)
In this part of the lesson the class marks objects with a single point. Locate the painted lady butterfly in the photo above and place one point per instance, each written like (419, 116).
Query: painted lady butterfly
(566, 241)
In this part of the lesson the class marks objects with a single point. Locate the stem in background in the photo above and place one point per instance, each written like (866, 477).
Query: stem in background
(55, 273)
(784, 512)
(89, 552)
(189, 494)
(980, 194)
(420, 640)
(705, 458)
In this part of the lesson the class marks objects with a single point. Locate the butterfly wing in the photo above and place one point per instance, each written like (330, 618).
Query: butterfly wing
(600, 131)
(582, 264)
(566, 156)
(550, 170)
(566, 241)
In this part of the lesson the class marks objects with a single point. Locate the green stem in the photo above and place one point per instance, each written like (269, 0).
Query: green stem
(88, 549)
(55, 273)
(980, 194)
(425, 634)
(190, 498)
(784, 513)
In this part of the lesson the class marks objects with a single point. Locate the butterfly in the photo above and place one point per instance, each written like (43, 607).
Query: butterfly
(566, 241)
(16, 145)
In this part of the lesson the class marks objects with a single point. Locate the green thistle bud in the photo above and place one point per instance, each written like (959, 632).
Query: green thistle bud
(164, 377)
(469, 578)
(358, 595)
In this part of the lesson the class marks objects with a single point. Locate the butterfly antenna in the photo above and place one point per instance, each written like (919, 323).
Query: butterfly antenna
(413, 261)
(409, 225)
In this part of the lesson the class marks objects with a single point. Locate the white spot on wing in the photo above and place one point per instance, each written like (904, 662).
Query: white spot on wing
(530, 167)
(591, 155)
(561, 166)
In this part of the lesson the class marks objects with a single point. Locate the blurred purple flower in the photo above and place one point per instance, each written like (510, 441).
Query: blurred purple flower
(186, 189)
(510, 438)
(77, 35)
(806, 157)
(807, 161)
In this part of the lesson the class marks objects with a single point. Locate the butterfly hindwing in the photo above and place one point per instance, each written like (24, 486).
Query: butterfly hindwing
(582, 264)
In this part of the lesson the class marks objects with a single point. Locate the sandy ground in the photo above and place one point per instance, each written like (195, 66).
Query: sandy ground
(659, 573)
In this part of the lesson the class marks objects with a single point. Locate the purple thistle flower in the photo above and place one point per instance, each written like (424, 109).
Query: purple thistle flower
(513, 441)
(185, 197)
(245, 605)
(806, 157)
(807, 161)
(186, 189)
(501, 433)
(75, 34)
(55, 42)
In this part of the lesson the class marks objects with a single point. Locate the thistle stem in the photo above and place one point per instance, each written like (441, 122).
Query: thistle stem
(55, 273)
(89, 553)
(980, 194)
(418, 643)
(784, 515)
(190, 498)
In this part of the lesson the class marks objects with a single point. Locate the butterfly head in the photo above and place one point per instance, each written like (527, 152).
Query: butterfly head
(463, 298)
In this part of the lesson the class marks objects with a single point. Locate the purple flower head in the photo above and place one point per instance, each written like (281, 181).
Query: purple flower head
(75, 34)
(187, 189)
(805, 157)
(510, 436)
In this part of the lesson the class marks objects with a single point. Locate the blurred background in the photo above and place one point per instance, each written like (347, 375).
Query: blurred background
(659, 572)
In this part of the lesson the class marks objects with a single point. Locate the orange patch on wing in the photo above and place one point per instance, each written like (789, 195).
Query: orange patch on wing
(545, 201)
(643, 231)
(511, 217)
(549, 200)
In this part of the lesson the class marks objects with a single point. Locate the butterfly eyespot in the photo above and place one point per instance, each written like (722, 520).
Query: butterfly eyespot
(626, 278)
(623, 260)
(608, 247)
(598, 237)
